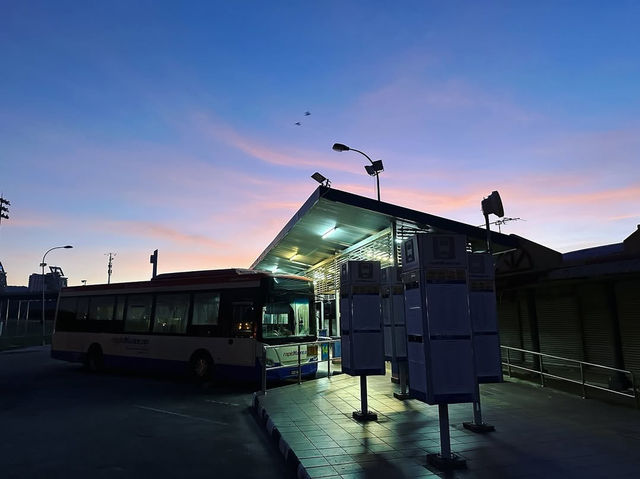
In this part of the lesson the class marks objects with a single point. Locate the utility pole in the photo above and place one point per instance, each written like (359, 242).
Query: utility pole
(153, 259)
(110, 269)
(3, 208)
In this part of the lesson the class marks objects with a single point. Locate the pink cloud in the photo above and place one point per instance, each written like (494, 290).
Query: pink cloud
(158, 231)
(275, 155)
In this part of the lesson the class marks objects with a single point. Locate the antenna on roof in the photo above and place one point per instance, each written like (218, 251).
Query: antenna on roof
(502, 221)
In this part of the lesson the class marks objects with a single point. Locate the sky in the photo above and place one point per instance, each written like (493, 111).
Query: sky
(129, 126)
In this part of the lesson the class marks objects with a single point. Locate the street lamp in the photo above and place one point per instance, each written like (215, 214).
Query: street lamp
(373, 169)
(42, 265)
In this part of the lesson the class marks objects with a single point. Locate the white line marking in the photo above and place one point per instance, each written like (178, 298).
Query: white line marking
(221, 402)
(181, 415)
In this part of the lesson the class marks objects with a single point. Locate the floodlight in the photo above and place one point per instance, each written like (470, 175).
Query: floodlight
(318, 177)
(321, 179)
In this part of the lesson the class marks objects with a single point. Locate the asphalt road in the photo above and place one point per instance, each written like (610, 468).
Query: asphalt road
(56, 420)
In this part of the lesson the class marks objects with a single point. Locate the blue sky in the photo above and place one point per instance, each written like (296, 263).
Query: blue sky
(131, 126)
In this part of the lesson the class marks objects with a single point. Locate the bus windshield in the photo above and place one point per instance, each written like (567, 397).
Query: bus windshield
(287, 313)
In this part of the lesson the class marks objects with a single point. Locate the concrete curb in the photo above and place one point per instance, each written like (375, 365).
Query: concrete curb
(290, 458)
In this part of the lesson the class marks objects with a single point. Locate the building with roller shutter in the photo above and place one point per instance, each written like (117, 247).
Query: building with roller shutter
(582, 305)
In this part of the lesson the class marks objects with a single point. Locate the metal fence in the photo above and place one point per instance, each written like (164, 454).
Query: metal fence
(21, 322)
(319, 343)
(572, 371)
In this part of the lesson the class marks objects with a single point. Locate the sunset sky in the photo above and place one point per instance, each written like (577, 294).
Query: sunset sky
(130, 126)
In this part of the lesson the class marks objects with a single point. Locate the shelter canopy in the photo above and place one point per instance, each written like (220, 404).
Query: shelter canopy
(331, 222)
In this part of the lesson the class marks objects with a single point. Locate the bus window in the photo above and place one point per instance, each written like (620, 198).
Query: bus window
(101, 308)
(171, 313)
(82, 309)
(206, 307)
(66, 313)
(243, 322)
(120, 307)
(277, 320)
(138, 313)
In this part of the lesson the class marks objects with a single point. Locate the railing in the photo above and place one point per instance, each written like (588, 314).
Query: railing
(580, 365)
(319, 343)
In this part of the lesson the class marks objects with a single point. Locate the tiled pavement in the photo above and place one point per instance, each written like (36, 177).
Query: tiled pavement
(540, 433)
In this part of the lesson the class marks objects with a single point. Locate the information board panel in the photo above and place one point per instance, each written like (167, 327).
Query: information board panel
(439, 335)
(484, 318)
(361, 319)
(393, 315)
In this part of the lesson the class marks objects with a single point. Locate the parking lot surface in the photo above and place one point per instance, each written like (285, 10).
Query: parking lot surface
(57, 420)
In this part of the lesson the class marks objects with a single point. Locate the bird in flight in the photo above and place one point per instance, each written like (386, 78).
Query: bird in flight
(299, 123)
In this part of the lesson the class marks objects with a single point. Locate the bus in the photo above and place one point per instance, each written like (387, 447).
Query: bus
(211, 324)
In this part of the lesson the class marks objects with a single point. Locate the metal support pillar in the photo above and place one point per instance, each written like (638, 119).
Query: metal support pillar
(402, 372)
(364, 415)
(446, 460)
(477, 425)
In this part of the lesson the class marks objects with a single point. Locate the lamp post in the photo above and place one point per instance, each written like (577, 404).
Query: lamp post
(373, 170)
(42, 265)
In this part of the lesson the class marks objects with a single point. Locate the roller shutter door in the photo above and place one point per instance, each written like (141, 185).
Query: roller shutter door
(525, 326)
(509, 324)
(597, 325)
(559, 326)
(628, 296)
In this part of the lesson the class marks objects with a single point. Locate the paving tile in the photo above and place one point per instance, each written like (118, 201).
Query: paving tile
(307, 453)
(322, 471)
(360, 449)
(333, 451)
(313, 461)
(339, 459)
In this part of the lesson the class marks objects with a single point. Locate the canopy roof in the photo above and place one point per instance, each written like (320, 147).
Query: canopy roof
(331, 221)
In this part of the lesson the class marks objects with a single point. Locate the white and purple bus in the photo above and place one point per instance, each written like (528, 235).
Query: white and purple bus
(212, 324)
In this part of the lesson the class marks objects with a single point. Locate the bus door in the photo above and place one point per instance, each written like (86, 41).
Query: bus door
(241, 343)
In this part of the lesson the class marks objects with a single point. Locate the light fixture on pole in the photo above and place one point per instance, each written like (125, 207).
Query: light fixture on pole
(321, 179)
(373, 169)
(492, 204)
(42, 265)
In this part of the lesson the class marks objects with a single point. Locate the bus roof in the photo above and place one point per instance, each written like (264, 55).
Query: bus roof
(231, 275)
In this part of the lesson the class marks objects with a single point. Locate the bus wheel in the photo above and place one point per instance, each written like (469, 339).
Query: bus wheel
(201, 366)
(95, 360)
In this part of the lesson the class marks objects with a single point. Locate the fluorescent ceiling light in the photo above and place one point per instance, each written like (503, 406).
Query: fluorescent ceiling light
(301, 263)
(328, 232)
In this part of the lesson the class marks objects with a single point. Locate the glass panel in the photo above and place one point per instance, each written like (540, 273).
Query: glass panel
(138, 313)
(205, 308)
(101, 308)
(171, 313)
(82, 309)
